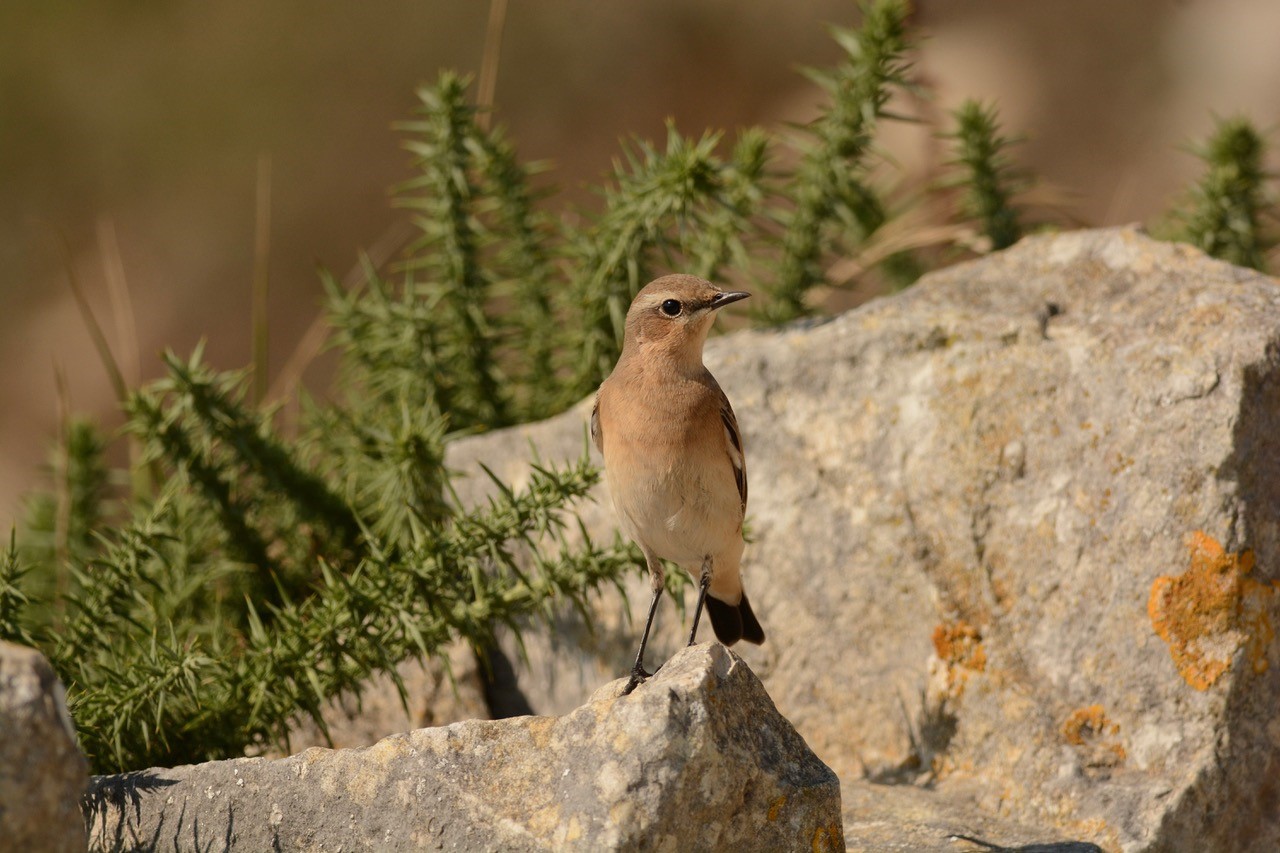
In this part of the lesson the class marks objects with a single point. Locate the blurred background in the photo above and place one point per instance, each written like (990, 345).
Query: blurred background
(132, 136)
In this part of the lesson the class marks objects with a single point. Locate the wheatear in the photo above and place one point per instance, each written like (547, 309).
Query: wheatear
(673, 455)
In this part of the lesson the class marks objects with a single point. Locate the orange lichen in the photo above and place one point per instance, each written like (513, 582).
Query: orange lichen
(1097, 739)
(959, 654)
(776, 807)
(960, 644)
(1209, 611)
(1090, 721)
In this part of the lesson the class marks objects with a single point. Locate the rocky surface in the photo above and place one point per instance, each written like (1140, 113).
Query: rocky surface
(42, 771)
(696, 759)
(1016, 535)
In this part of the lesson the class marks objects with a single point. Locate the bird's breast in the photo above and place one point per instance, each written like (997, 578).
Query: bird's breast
(672, 485)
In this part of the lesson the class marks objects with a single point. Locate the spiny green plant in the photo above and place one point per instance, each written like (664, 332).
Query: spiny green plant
(191, 693)
(1225, 213)
(61, 523)
(830, 194)
(984, 175)
(517, 314)
(480, 240)
(267, 576)
(13, 601)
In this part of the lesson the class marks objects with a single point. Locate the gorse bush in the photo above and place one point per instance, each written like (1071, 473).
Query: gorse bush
(984, 175)
(266, 576)
(830, 196)
(254, 573)
(1229, 213)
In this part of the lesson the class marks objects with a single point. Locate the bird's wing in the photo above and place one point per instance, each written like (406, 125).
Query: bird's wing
(736, 456)
(597, 437)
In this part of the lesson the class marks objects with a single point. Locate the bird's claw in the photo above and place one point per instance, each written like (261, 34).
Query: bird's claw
(638, 677)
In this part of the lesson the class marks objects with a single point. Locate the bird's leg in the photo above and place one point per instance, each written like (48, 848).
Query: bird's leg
(638, 673)
(704, 581)
(656, 576)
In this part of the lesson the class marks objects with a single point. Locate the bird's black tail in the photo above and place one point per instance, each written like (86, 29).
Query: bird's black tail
(733, 623)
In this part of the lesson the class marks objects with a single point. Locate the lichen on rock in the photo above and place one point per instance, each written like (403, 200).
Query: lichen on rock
(1209, 611)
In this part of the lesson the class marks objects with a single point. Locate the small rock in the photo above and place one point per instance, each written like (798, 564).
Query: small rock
(42, 771)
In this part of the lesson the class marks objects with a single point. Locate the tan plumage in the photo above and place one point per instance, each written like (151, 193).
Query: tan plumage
(673, 453)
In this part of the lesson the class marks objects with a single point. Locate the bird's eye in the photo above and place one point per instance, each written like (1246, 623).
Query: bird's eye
(671, 307)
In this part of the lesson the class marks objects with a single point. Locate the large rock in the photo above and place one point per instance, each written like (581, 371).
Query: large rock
(42, 771)
(1016, 532)
(697, 759)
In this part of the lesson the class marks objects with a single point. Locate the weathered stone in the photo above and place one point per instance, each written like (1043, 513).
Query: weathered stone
(697, 759)
(42, 771)
(913, 819)
(1016, 533)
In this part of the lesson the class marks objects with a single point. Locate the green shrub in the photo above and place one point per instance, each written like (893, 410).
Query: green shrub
(983, 174)
(1226, 213)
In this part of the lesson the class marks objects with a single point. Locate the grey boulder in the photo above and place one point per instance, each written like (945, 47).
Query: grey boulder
(1016, 541)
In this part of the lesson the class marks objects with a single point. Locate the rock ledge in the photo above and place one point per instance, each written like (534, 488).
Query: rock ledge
(697, 758)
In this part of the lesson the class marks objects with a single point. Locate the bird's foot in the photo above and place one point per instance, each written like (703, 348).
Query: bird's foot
(638, 677)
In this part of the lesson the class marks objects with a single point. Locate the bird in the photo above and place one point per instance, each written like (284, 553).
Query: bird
(673, 455)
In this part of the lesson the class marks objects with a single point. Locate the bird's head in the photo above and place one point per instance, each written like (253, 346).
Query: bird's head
(673, 314)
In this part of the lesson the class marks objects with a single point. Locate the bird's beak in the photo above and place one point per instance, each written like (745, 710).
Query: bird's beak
(722, 299)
